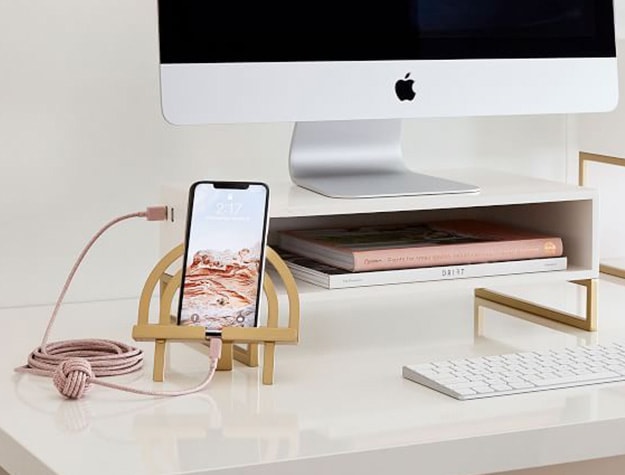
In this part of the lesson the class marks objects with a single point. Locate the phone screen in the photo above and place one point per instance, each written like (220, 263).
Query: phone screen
(224, 255)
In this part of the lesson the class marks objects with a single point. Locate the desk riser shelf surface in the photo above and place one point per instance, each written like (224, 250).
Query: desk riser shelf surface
(567, 210)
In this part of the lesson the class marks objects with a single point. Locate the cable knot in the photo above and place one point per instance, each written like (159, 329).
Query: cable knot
(72, 377)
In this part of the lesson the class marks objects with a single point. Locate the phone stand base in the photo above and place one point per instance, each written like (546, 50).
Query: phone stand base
(241, 344)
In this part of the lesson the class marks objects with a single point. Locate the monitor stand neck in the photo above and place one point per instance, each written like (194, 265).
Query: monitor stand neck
(359, 159)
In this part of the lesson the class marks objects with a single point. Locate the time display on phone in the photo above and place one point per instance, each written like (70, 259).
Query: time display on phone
(228, 208)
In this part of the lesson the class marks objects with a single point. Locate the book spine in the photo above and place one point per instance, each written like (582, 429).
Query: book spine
(452, 254)
(401, 276)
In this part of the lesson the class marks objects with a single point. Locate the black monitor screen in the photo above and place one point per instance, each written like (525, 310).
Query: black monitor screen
(196, 31)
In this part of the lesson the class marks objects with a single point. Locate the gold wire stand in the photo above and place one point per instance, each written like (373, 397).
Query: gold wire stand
(166, 330)
(584, 159)
(588, 321)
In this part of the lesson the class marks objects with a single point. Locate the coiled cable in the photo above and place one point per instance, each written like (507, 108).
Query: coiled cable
(74, 365)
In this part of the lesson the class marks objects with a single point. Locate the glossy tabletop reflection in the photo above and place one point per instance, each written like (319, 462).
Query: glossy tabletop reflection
(338, 402)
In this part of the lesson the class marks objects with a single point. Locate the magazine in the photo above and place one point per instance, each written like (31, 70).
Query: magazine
(330, 277)
(406, 246)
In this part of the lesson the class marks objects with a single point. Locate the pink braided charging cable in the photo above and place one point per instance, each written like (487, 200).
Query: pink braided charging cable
(76, 364)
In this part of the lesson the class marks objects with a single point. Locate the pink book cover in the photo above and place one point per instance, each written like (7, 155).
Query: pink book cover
(461, 241)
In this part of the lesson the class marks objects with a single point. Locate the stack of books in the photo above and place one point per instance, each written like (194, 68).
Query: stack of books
(438, 250)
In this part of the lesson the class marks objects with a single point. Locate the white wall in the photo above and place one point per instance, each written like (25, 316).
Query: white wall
(82, 141)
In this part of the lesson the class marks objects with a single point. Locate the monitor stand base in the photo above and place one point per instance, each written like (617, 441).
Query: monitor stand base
(382, 184)
(359, 159)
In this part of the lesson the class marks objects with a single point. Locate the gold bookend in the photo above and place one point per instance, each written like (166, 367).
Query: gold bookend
(166, 330)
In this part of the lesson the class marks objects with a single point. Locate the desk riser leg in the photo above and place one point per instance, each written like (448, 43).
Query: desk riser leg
(587, 322)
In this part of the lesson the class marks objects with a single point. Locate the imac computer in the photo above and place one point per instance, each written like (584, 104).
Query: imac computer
(346, 73)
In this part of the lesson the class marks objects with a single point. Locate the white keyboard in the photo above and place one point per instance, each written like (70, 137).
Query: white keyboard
(514, 373)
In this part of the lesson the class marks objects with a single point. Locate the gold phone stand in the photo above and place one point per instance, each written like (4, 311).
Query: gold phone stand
(232, 337)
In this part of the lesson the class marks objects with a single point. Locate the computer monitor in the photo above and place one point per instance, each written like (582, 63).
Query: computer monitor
(348, 72)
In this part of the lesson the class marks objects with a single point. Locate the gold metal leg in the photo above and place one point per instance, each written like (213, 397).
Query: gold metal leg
(584, 158)
(612, 270)
(587, 322)
(269, 362)
(478, 317)
(158, 373)
(225, 362)
(248, 356)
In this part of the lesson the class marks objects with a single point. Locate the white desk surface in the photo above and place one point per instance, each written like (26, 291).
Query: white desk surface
(338, 404)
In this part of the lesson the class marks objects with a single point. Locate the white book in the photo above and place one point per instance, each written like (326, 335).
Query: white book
(324, 275)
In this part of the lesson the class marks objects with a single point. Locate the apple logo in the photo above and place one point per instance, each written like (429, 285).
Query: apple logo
(404, 88)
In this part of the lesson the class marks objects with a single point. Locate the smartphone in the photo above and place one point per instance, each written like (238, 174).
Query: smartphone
(224, 257)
